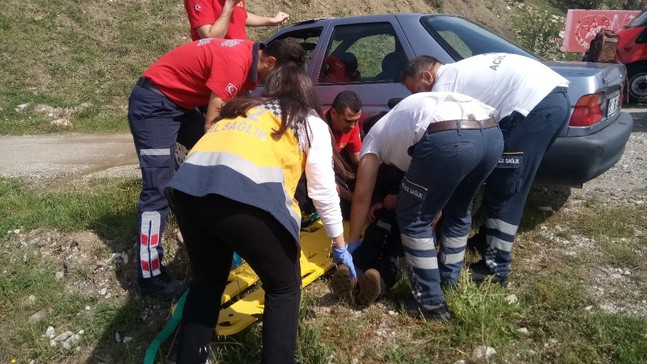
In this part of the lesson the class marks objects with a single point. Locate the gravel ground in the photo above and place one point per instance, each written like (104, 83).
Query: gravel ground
(620, 183)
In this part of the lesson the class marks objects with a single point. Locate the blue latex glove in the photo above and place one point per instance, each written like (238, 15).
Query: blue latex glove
(342, 255)
(353, 245)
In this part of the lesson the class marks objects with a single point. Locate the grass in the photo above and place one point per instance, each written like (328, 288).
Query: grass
(556, 304)
(105, 206)
(69, 54)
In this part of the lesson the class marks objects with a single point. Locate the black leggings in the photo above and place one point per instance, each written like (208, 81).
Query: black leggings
(213, 227)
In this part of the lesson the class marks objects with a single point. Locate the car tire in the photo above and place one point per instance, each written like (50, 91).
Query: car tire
(637, 84)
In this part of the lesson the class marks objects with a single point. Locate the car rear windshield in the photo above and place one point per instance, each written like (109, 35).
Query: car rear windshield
(462, 38)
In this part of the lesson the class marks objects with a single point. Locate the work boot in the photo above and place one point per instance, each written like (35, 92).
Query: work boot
(341, 285)
(480, 272)
(438, 312)
(370, 287)
(162, 286)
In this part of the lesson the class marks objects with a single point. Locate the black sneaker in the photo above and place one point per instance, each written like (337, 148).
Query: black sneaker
(439, 312)
(162, 286)
(341, 285)
(370, 286)
(480, 272)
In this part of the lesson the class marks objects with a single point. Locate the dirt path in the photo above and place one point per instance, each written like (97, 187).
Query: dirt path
(43, 159)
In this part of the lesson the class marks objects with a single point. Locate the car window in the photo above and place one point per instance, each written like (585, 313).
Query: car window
(462, 39)
(308, 39)
(362, 53)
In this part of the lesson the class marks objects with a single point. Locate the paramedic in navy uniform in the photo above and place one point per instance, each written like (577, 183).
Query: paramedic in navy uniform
(533, 109)
(447, 143)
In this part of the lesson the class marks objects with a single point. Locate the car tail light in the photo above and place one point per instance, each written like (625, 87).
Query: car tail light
(588, 110)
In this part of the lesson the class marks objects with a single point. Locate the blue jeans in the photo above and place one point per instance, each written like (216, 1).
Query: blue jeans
(447, 168)
(526, 141)
(156, 124)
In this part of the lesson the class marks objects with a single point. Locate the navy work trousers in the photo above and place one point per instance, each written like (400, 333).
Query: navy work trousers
(526, 141)
(447, 168)
(213, 227)
(156, 124)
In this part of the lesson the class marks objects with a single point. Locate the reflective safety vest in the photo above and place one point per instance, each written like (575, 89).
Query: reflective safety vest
(239, 159)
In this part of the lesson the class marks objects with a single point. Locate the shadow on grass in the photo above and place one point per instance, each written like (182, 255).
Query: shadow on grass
(542, 203)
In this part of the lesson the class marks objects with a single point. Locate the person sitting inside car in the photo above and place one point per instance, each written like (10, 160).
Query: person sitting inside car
(340, 69)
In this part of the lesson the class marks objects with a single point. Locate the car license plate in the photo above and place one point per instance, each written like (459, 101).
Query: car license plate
(612, 106)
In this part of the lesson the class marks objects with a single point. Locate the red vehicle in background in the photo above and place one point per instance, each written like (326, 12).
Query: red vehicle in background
(632, 51)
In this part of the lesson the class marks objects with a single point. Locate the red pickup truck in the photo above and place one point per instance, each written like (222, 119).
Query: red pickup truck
(632, 51)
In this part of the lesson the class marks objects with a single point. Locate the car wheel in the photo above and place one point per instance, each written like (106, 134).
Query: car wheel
(638, 83)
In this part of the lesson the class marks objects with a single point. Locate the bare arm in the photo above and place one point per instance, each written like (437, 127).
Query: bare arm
(338, 242)
(219, 28)
(213, 110)
(254, 20)
(366, 175)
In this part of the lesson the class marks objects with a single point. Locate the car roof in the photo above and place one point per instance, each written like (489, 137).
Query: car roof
(371, 17)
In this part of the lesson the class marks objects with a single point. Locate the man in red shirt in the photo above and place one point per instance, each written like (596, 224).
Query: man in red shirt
(225, 19)
(343, 118)
(162, 110)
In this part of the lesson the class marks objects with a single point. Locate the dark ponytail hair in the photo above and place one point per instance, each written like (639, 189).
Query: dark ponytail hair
(291, 87)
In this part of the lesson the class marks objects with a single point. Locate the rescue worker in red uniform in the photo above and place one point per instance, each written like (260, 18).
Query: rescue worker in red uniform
(225, 19)
(162, 110)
